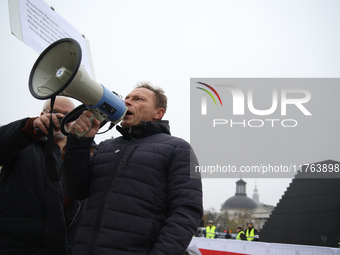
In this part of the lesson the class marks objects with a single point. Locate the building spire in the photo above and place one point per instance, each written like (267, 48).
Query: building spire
(256, 196)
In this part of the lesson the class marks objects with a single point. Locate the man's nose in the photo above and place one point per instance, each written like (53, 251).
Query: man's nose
(127, 102)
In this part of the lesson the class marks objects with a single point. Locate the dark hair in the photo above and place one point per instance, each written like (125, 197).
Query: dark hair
(161, 101)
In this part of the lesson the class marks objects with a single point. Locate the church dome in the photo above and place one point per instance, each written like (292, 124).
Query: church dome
(240, 200)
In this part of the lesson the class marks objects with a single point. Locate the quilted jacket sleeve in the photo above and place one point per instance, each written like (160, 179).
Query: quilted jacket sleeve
(12, 141)
(77, 167)
(184, 200)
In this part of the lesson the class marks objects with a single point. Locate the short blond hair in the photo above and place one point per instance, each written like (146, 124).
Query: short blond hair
(161, 101)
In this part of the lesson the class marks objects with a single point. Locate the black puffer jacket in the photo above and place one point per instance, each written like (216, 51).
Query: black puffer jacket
(141, 197)
(31, 210)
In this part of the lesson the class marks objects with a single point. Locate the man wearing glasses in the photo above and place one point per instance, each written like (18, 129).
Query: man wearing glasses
(31, 205)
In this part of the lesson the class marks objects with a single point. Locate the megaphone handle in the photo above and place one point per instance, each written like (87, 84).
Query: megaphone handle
(95, 114)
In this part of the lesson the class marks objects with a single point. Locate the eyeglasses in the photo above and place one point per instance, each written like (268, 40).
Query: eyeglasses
(54, 112)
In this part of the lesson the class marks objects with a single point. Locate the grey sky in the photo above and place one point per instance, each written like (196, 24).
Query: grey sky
(168, 42)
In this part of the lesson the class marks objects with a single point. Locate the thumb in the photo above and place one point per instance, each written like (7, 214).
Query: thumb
(96, 124)
(94, 129)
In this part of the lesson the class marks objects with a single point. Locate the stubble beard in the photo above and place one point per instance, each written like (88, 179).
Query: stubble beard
(58, 136)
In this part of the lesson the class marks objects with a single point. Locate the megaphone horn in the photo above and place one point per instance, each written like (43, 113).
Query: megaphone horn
(58, 71)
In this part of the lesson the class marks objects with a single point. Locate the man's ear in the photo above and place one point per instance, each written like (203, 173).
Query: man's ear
(159, 114)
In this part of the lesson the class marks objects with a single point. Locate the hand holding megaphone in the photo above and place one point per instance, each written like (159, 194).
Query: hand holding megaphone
(86, 125)
(58, 71)
(41, 123)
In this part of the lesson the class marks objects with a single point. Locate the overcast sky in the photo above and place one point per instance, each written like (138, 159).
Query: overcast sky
(169, 42)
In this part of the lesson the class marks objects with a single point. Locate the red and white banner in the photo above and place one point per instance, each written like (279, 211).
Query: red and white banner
(235, 247)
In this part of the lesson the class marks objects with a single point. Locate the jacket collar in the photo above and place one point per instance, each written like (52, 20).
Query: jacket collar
(146, 128)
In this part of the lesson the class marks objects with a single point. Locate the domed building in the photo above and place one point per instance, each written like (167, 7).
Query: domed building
(242, 208)
(240, 202)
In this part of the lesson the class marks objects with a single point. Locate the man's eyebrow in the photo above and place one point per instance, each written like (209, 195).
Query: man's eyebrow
(135, 95)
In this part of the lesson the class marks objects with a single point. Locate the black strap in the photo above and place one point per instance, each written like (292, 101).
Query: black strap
(74, 114)
(50, 160)
(71, 116)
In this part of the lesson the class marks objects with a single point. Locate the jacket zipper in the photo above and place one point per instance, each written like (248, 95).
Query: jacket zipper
(100, 212)
(128, 159)
(76, 214)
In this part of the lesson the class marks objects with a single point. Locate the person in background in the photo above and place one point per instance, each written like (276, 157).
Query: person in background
(251, 233)
(227, 234)
(210, 230)
(32, 212)
(35, 216)
(240, 234)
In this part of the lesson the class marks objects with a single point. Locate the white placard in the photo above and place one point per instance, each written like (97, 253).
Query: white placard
(41, 26)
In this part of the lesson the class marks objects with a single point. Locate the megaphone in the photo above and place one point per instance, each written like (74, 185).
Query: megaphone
(58, 71)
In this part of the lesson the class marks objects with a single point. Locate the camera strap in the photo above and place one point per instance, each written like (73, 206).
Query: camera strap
(50, 160)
